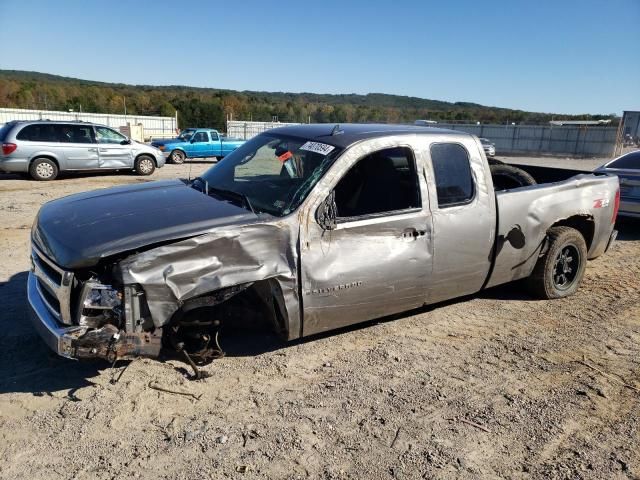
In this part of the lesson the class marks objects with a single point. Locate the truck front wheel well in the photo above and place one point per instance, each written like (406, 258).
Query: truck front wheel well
(256, 306)
(582, 223)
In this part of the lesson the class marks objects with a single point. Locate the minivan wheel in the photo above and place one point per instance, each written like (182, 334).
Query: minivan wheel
(177, 157)
(559, 271)
(145, 165)
(43, 169)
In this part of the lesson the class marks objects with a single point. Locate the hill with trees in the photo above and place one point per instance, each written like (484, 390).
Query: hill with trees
(210, 107)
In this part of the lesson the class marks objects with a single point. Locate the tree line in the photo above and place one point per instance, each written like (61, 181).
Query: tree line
(210, 107)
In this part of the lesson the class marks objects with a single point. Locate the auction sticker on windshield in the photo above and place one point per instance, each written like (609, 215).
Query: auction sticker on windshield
(316, 147)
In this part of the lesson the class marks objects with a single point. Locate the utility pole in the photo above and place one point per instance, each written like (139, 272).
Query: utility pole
(124, 101)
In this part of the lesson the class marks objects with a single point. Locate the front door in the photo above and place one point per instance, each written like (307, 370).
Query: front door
(378, 258)
(200, 145)
(114, 149)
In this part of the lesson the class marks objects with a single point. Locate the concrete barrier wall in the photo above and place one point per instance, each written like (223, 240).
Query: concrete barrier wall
(246, 130)
(533, 139)
(153, 126)
(573, 140)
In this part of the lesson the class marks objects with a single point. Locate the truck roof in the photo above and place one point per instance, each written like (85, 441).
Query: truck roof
(350, 133)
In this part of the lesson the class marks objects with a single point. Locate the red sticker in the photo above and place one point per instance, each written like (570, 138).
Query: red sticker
(285, 156)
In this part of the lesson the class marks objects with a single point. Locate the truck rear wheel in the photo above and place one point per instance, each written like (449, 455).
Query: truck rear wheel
(559, 271)
(177, 157)
(507, 176)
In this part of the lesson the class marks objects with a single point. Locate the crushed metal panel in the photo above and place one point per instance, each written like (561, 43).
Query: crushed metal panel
(224, 257)
(535, 209)
(369, 267)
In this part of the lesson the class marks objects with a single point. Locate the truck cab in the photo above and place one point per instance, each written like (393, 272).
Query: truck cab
(309, 228)
(197, 143)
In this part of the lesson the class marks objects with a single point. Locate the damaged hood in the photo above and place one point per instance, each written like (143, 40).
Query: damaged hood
(79, 230)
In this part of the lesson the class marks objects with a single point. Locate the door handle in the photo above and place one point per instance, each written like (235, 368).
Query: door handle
(104, 150)
(92, 149)
(409, 233)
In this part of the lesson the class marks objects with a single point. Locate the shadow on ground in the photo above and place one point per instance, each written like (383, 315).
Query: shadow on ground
(628, 229)
(26, 363)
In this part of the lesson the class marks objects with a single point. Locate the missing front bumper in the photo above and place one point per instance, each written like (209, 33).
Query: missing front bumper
(78, 342)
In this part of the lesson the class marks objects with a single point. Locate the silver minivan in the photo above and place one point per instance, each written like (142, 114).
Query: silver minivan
(44, 148)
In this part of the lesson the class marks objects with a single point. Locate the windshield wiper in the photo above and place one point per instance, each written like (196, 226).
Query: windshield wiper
(236, 195)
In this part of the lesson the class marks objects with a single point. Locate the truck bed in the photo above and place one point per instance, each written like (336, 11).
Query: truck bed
(562, 196)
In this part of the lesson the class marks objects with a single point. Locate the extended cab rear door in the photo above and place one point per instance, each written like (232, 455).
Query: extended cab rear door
(464, 217)
(378, 258)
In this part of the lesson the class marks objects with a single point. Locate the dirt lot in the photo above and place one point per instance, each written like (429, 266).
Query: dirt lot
(492, 386)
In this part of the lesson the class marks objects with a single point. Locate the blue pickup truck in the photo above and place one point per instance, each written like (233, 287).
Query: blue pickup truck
(197, 142)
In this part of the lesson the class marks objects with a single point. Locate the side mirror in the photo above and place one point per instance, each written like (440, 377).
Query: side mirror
(327, 212)
(126, 141)
(192, 141)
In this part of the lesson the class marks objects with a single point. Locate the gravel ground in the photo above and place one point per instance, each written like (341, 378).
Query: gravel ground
(495, 385)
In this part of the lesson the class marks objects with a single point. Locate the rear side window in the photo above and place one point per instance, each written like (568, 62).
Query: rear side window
(39, 132)
(630, 160)
(74, 133)
(454, 182)
(56, 133)
(4, 131)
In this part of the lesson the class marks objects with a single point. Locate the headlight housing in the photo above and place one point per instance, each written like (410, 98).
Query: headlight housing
(99, 304)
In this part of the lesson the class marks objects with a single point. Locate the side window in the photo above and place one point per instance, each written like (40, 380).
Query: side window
(106, 135)
(214, 136)
(384, 181)
(630, 160)
(40, 132)
(200, 137)
(74, 133)
(454, 182)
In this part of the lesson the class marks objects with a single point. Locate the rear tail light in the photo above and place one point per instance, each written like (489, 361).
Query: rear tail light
(8, 148)
(616, 206)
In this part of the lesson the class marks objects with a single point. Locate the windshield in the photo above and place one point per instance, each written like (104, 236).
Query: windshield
(186, 133)
(274, 173)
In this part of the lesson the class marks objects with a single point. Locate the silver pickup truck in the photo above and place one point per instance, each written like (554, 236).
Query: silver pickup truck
(309, 228)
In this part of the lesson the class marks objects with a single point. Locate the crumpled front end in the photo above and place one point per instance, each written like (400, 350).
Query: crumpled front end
(82, 317)
(136, 304)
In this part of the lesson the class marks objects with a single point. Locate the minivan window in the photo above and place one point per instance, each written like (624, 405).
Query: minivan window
(74, 133)
(38, 132)
(106, 135)
(452, 171)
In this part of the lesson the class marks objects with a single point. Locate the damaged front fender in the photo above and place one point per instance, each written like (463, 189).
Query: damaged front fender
(170, 275)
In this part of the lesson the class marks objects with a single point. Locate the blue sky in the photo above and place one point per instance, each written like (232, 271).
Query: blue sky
(563, 56)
